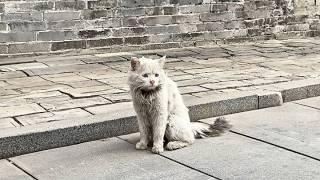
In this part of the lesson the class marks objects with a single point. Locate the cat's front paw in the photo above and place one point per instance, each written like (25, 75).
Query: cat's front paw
(157, 149)
(141, 146)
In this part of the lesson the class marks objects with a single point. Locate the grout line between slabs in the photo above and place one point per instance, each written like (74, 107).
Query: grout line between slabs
(185, 165)
(306, 105)
(278, 146)
(25, 171)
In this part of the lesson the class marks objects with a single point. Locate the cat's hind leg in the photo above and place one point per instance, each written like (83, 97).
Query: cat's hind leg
(179, 133)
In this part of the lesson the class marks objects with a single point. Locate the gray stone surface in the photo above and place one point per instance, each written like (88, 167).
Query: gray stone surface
(312, 102)
(236, 157)
(106, 159)
(9, 172)
(292, 126)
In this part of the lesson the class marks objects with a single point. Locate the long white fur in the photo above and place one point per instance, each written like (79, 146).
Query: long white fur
(160, 112)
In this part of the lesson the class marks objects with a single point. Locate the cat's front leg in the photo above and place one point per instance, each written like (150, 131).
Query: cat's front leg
(144, 129)
(159, 128)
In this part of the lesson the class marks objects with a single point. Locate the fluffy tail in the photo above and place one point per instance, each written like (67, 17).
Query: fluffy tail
(201, 130)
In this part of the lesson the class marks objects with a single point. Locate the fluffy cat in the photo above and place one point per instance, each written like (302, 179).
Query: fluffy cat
(160, 110)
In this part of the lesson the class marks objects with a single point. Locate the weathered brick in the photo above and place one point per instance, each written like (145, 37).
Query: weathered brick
(137, 3)
(160, 29)
(155, 20)
(180, 19)
(196, 36)
(225, 16)
(60, 25)
(69, 5)
(27, 6)
(29, 47)
(26, 26)
(136, 40)
(160, 38)
(218, 8)
(298, 27)
(140, 11)
(17, 37)
(55, 35)
(79, 44)
(234, 25)
(130, 21)
(3, 26)
(162, 2)
(1, 7)
(211, 26)
(104, 23)
(203, 8)
(167, 45)
(186, 2)
(170, 10)
(104, 42)
(22, 16)
(95, 14)
(3, 49)
(61, 15)
(130, 31)
(94, 33)
(102, 4)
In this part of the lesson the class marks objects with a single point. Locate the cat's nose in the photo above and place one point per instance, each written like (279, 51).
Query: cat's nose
(152, 82)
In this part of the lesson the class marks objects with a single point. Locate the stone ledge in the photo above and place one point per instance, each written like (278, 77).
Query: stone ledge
(17, 141)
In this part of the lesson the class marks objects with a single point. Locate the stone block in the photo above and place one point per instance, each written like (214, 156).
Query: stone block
(269, 99)
(48, 117)
(3, 26)
(186, 2)
(74, 103)
(55, 35)
(61, 15)
(78, 44)
(96, 14)
(140, 11)
(29, 47)
(160, 29)
(94, 33)
(26, 26)
(222, 104)
(134, 3)
(130, 21)
(66, 25)
(22, 16)
(130, 31)
(10, 111)
(22, 6)
(3, 49)
(8, 123)
(224, 16)
(167, 45)
(192, 9)
(104, 42)
(70, 5)
(136, 40)
(102, 4)
(182, 19)
(160, 38)
(155, 20)
(211, 26)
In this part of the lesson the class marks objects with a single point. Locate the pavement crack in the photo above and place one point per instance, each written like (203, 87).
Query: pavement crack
(276, 145)
(25, 171)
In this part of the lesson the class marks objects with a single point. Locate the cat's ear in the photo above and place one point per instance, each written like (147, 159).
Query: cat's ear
(162, 61)
(135, 63)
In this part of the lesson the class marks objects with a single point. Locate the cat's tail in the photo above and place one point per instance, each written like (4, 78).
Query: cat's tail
(201, 130)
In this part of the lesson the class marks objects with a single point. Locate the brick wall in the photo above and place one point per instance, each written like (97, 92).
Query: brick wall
(119, 25)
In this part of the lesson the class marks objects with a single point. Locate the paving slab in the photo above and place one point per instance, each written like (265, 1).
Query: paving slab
(312, 102)
(9, 172)
(292, 126)
(233, 156)
(108, 159)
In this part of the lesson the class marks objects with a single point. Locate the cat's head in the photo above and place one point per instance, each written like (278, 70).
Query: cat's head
(147, 74)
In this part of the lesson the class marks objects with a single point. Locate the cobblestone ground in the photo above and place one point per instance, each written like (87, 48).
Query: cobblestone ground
(44, 89)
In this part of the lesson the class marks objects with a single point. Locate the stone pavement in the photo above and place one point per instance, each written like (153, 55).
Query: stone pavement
(45, 89)
(272, 143)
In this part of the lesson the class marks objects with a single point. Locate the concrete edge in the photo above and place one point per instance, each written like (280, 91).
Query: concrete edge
(18, 141)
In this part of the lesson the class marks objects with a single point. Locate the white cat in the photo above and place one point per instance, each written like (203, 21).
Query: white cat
(160, 110)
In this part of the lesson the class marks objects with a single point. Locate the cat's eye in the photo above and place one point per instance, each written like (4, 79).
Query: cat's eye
(145, 75)
(156, 75)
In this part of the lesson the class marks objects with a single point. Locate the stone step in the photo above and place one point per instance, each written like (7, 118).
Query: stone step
(119, 120)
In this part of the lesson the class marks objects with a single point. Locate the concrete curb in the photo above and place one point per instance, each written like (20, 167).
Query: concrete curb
(18, 141)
